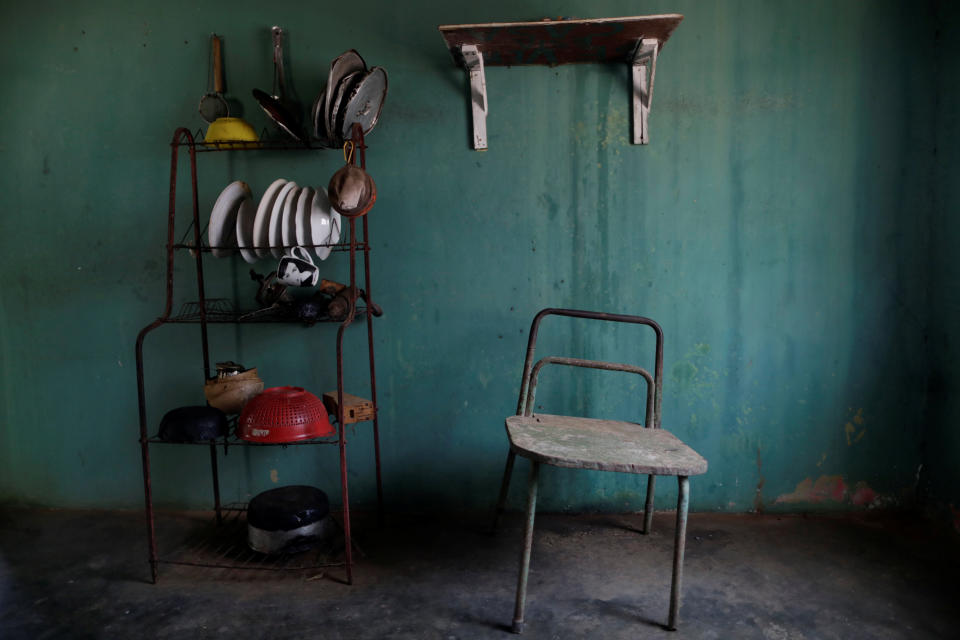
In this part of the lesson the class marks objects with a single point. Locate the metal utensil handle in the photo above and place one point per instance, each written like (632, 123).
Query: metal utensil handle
(217, 64)
(279, 87)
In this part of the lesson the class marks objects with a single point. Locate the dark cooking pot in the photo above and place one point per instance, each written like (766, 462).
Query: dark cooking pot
(288, 519)
(190, 424)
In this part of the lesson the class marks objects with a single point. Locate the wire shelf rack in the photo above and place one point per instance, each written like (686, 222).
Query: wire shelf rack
(221, 310)
(265, 143)
(223, 545)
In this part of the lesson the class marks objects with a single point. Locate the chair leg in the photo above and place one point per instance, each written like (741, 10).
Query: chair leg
(683, 502)
(527, 546)
(504, 488)
(648, 507)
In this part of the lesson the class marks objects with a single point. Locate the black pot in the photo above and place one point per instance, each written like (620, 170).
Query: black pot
(288, 519)
(193, 424)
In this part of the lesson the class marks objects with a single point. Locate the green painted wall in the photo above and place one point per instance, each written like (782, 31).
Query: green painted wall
(942, 478)
(777, 226)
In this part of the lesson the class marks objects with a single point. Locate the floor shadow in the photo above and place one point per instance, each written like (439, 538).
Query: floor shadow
(627, 613)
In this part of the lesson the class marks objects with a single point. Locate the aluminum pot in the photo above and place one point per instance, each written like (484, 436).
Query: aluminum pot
(289, 520)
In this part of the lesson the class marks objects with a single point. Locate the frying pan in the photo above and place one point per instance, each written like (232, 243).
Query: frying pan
(280, 114)
(278, 107)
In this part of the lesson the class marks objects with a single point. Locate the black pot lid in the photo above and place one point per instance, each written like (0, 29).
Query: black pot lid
(287, 508)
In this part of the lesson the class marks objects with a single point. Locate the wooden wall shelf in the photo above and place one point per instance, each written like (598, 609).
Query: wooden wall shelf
(636, 40)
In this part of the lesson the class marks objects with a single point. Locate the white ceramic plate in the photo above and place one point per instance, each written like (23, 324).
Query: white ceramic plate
(301, 220)
(335, 229)
(320, 222)
(261, 224)
(221, 232)
(245, 218)
(276, 218)
(288, 224)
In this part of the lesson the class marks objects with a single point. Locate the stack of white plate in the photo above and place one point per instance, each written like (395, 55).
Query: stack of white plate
(288, 216)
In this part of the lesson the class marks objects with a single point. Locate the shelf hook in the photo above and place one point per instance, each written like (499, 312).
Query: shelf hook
(644, 70)
(473, 62)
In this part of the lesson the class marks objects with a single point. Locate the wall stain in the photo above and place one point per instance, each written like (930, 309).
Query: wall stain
(693, 380)
(863, 495)
(834, 490)
(850, 429)
(758, 498)
(825, 489)
(547, 201)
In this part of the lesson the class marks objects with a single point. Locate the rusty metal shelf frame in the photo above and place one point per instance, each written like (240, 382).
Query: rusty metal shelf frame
(263, 144)
(339, 247)
(222, 311)
(184, 139)
(635, 40)
(233, 441)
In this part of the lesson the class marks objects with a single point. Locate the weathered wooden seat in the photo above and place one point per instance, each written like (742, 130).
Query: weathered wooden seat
(603, 445)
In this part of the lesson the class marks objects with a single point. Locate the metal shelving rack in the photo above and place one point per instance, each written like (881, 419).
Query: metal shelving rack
(215, 311)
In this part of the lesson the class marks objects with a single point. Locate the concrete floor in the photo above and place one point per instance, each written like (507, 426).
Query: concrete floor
(83, 574)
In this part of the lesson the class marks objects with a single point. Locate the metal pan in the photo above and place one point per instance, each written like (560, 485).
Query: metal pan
(279, 114)
(365, 102)
(340, 96)
(317, 114)
(345, 64)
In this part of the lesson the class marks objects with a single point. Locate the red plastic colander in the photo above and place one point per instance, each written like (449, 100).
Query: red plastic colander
(284, 414)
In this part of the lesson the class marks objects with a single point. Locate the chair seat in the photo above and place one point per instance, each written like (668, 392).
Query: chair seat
(604, 445)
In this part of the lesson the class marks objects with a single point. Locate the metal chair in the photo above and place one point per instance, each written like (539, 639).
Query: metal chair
(605, 445)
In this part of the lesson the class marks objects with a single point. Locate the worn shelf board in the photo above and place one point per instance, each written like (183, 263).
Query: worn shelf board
(636, 40)
(559, 41)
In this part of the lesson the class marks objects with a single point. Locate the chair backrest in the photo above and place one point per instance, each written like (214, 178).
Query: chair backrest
(528, 384)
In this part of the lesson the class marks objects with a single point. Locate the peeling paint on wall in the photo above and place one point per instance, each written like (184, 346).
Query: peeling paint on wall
(835, 490)
(863, 495)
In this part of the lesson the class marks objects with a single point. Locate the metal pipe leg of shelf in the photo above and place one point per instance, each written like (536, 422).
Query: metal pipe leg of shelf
(201, 291)
(216, 481)
(145, 454)
(345, 493)
(148, 497)
(373, 371)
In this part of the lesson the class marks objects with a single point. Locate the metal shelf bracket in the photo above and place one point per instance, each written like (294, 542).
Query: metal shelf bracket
(644, 69)
(473, 63)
